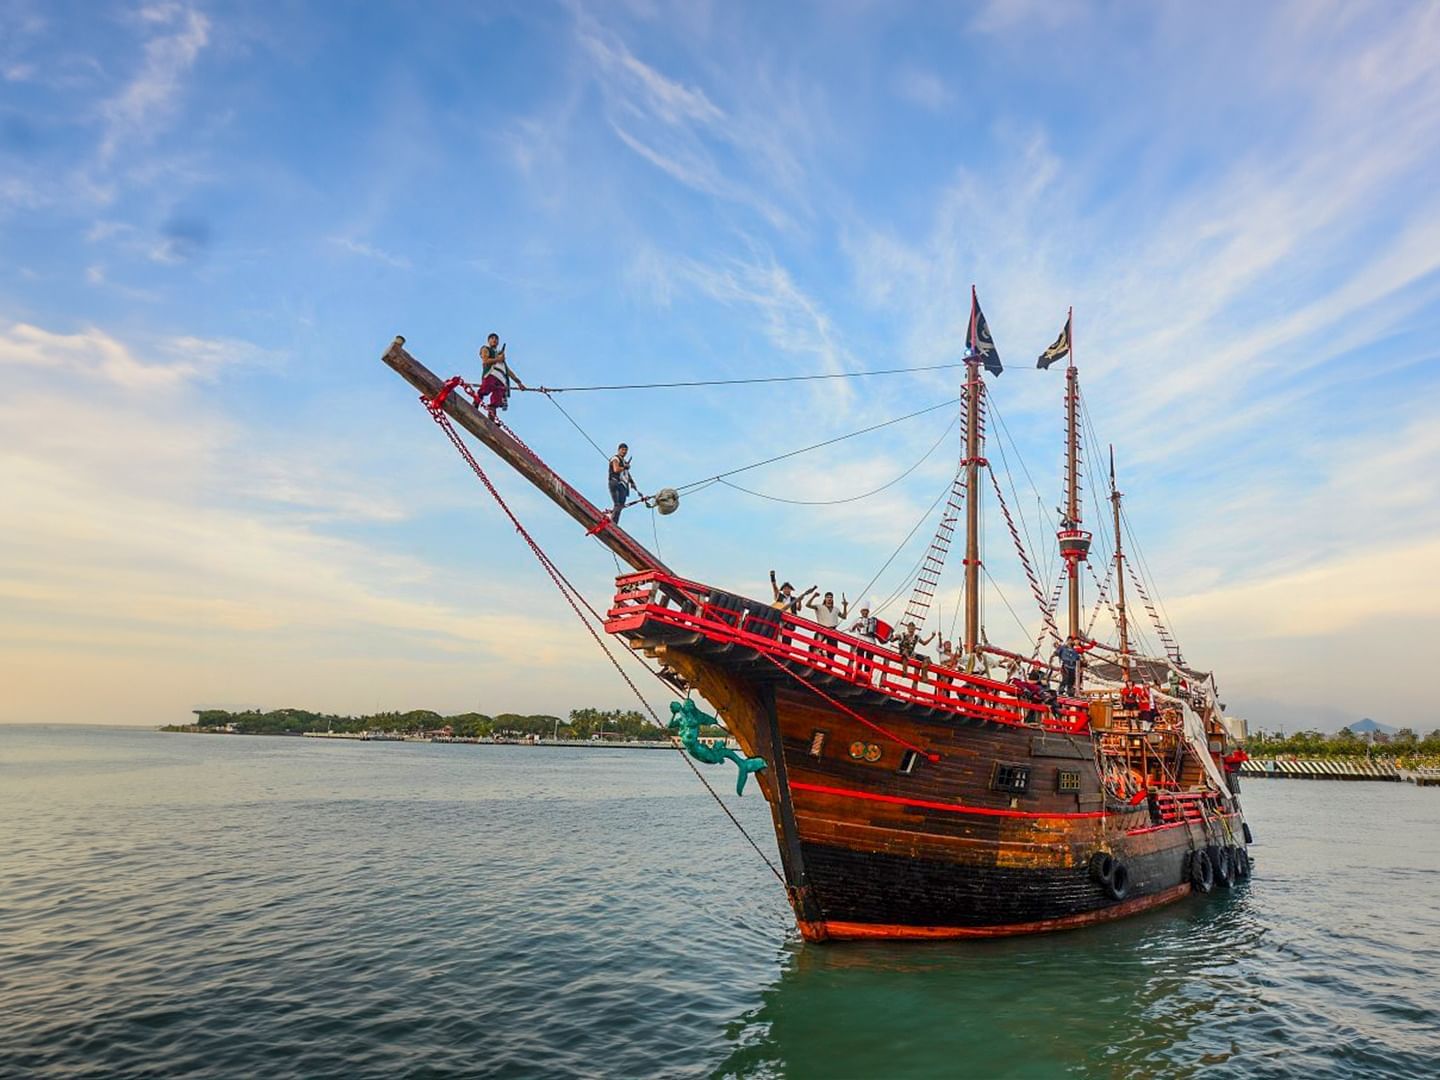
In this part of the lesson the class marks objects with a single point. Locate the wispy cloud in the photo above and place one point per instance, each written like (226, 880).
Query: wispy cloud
(93, 354)
(737, 155)
(203, 546)
(369, 251)
(921, 87)
(151, 98)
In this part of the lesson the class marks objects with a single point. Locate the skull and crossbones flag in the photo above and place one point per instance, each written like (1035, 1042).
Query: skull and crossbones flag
(1057, 351)
(978, 339)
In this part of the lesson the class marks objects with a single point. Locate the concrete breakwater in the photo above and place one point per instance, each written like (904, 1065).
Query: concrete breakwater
(1381, 769)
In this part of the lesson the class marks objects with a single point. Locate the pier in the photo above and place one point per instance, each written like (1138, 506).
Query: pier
(1373, 769)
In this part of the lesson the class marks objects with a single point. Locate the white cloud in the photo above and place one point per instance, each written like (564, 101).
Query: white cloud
(923, 88)
(151, 98)
(171, 555)
(368, 251)
(1003, 16)
(92, 354)
(744, 154)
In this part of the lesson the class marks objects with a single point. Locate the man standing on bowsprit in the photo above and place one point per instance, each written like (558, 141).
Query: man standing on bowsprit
(497, 376)
(620, 482)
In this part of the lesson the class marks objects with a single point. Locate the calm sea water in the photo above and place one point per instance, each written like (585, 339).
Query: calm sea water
(226, 906)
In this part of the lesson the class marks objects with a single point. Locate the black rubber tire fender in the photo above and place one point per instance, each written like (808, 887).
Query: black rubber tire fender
(1224, 866)
(1102, 868)
(1242, 864)
(1202, 871)
(1118, 887)
(1245, 828)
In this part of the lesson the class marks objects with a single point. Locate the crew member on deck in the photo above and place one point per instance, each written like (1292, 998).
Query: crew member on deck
(864, 628)
(785, 598)
(497, 376)
(618, 474)
(910, 638)
(1069, 653)
(828, 616)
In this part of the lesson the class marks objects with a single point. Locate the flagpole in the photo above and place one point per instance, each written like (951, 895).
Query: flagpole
(974, 389)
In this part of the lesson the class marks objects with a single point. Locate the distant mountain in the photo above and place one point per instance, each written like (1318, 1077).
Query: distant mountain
(1366, 726)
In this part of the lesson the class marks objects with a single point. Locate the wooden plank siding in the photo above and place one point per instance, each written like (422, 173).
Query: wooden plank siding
(938, 851)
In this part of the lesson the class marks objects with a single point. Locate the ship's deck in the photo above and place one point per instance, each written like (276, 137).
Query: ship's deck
(654, 608)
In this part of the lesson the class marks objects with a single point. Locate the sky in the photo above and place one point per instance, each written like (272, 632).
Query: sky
(214, 217)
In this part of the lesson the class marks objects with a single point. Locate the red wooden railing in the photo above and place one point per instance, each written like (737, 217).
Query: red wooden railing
(655, 597)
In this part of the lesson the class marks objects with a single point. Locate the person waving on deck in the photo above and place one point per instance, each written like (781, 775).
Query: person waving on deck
(785, 598)
(828, 616)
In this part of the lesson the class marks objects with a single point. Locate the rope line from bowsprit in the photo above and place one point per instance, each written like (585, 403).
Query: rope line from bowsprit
(929, 755)
(575, 599)
(745, 382)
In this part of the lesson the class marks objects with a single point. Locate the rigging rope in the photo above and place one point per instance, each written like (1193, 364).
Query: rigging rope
(1145, 566)
(814, 446)
(901, 546)
(1000, 593)
(1046, 617)
(1102, 598)
(1005, 461)
(852, 498)
(929, 755)
(746, 382)
(575, 601)
(576, 426)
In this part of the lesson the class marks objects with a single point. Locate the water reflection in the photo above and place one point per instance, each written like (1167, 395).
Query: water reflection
(1133, 998)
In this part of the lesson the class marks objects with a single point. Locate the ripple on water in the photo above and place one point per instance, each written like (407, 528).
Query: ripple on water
(222, 907)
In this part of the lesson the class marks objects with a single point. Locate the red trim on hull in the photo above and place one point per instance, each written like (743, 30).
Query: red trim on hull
(1170, 825)
(821, 789)
(852, 931)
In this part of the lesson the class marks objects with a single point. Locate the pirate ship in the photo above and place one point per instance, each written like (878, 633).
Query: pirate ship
(912, 800)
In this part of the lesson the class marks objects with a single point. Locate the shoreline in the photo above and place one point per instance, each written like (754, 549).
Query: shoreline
(385, 736)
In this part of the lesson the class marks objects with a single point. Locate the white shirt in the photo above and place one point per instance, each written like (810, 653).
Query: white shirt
(825, 615)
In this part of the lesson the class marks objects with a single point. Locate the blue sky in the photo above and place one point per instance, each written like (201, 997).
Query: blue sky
(214, 217)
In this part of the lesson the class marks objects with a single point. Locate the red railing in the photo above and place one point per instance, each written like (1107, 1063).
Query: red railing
(651, 596)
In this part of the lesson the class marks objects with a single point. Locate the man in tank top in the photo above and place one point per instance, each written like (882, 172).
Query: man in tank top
(497, 376)
(618, 477)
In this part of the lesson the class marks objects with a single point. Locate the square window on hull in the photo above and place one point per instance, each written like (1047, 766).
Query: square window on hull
(1014, 779)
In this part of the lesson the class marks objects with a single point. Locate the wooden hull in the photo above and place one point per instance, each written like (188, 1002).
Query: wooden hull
(873, 850)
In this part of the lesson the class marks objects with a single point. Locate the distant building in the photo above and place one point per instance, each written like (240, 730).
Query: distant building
(1237, 727)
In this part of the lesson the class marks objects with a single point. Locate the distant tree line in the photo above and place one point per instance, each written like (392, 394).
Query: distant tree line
(1403, 744)
(582, 724)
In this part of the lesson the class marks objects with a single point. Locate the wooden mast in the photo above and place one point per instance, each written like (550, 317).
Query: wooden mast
(1120, 575)
(974, 395)
(1072, 488)
(1074, 541)
(520, 458)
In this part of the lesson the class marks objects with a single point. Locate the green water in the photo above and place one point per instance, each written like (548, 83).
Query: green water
(228, 906)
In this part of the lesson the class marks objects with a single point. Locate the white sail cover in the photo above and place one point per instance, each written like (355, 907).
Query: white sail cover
(1200, 742)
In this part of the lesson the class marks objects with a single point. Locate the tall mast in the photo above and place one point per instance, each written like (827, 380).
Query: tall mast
(1072, 487)
(1074, 541)
(1120, 574)
(974, 396)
